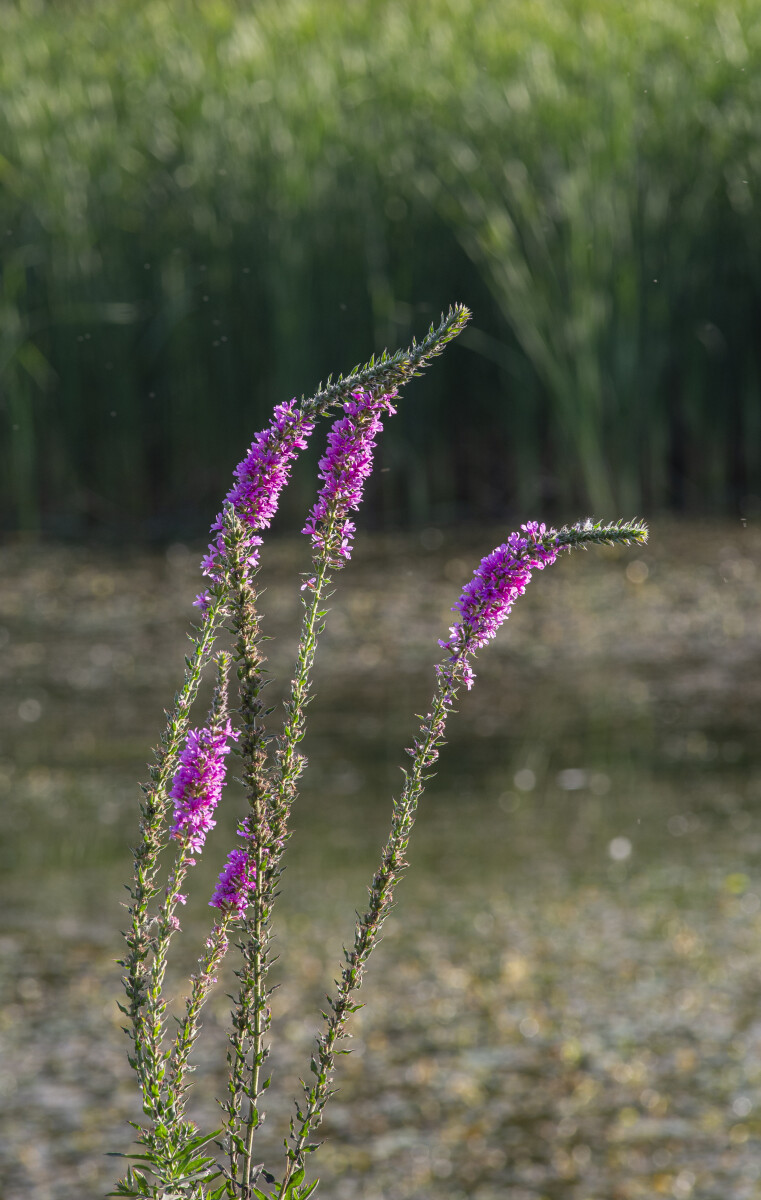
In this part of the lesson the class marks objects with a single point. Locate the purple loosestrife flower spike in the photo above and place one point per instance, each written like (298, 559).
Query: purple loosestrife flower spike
(484, 604)
(344, 468)
(198, 784)
(487, 600)
(261, 477)
(237, 883)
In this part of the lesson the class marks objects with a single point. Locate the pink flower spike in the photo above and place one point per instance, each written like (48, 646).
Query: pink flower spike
(261, 477)
(198, 784)
(344, 469)
(237, 883)
(487, 599)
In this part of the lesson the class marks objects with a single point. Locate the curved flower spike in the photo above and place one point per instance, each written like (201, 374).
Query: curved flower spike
(502, 576)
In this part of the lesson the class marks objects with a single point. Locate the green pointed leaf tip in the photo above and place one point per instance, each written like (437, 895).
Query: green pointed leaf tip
(591, 532)
(304, 1193)
(393, 370)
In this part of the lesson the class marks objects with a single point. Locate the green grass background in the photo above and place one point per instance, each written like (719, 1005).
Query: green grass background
(206, 207)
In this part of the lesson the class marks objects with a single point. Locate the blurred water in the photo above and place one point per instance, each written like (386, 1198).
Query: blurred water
(566, 1002)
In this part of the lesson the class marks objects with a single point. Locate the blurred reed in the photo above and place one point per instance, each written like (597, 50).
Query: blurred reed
(205, 206)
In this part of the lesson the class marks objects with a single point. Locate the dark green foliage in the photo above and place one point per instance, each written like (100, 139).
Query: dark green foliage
(204, 207)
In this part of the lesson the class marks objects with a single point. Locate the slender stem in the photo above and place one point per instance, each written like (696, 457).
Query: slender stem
(261, 1024)
(393, 863)
(144, 1007)
(270, 818)
(250, 1018)
(288, 764)
(153, 1028)
(201, 984)
(270, 800)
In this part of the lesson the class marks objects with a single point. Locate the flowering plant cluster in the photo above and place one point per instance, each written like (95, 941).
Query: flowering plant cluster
(188, 775)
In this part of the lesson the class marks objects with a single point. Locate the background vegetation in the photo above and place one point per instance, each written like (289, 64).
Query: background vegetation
(207, 206)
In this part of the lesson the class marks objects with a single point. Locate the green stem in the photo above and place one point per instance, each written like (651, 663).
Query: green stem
(271, 815)
(201, 985)
(289, 764)
(250, 1018)
(261, 1024)
(367, 930)
(144, 1007)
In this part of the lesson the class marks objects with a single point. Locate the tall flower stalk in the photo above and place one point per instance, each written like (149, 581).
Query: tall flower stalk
(232, 564)
(484, 605)
(344, 469)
